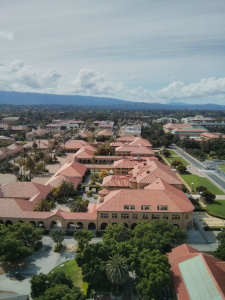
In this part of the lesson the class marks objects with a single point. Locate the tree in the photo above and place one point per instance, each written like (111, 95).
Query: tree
(154, 274)
(93, 260)
(103, 173)
(176, 163)
(208, 196)
(119, 233)
(83, 237)
(116, 270)
(79, 205)
(201, 188)
(17, 241)
(34, 146)
(42, 205)
(220, 252)
(65, 188)
(166, 153)
(181, 169)
(58, 235)
(54, 286)
(62, 292)
(93, 160)
(30, 165)
(39, 284)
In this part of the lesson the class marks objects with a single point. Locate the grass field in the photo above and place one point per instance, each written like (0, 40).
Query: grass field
(222, 167)
(217, 207)
(71, 269)
(171, 159)
(172, 152)
(189, 178)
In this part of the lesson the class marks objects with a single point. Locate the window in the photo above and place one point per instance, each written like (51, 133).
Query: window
(129, 206)
(186, 217)
(155, 216)
(175, 217)
(114, 215)
(134, 216)
(124, 216)
(145, 216)
(162, 207)
(104, 215)
(165, 217)
(145, 207)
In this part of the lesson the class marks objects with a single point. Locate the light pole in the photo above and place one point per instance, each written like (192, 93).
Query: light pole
(192, 186)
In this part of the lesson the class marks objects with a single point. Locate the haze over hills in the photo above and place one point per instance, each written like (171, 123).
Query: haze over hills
(17, 98)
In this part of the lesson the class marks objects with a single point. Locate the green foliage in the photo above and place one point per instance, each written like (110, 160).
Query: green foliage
(133, 246)
(83, 237)
(57, 235)
(79, 205)
(17, 241)
(208, 196)
(117, 270)
(89, 193)
(166, 153)
(220, 252)
(58, 247)
(181, 169)
(176, 163)
(201, 188)
(153, 275)
(42, 205)
(54, 286)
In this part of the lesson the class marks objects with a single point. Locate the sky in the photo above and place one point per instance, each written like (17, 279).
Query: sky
(140, 50)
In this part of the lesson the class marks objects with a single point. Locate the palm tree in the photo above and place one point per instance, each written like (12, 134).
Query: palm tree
(42, 205)
(34, 146)
(30, 165)
(78, 206)
(64, 188)
(116, 270)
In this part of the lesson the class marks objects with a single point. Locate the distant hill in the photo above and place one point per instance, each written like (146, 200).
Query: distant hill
(36, 99)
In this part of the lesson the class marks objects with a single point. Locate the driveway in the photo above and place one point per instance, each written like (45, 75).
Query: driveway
(42, 261)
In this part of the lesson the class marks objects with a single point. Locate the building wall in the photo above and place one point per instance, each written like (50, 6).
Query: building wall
(185, 218)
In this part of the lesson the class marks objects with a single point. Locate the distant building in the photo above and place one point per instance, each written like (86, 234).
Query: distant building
(166, 120)
(58, 125)
(212, 135)
(104, 125)
(6, 139)
(10, 119)
(134, 130)
(184, 130)
(35, 133)
(197, 119)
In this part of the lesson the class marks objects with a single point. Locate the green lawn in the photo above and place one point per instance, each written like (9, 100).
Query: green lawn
(217, 207)
(222, 167)
(71, 269)
(171, 159)
(189, 178)
(172, 152)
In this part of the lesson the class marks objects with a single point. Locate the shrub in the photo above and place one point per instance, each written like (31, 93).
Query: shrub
(58, 247)
(89, 193)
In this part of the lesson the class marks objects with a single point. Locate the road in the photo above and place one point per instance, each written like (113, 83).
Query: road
(199, 165)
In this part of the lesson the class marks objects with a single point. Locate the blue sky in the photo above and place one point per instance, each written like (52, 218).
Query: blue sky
(146, 50)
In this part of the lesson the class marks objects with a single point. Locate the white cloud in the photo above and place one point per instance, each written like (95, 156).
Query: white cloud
(4, 35)
(23, 78)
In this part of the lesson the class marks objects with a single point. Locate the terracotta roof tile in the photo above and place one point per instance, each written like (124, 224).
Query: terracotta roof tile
(105, 132)
(117, 181)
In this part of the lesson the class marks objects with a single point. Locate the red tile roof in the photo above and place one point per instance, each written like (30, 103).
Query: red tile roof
(75, 144)
(153, 170)
(214, 265)
(104, 192)
(105, 132)
(25, 190)
(176, 200)
(135, 150)
(55, 181)
(85, 153)
(72, 169)
(140, 141)
(117, 181)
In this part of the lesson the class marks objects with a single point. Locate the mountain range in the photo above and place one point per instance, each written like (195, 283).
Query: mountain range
(17, 98)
